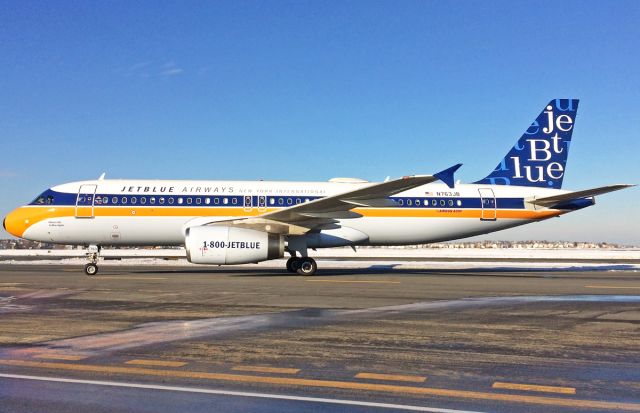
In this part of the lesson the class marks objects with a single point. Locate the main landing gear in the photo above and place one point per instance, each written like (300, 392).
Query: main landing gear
(93, 253)
(302, 265)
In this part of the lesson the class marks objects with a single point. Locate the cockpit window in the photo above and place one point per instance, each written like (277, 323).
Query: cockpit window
(44, 199)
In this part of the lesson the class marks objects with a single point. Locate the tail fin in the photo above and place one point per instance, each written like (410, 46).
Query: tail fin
(539, 158)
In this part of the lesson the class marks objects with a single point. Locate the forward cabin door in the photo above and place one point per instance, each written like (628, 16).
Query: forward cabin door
(488, 202)
(85, 201)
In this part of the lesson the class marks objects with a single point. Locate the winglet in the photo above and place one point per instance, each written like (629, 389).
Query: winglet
(446, 176)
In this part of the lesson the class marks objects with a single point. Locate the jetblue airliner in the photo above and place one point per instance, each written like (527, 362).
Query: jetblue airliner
(238, 222)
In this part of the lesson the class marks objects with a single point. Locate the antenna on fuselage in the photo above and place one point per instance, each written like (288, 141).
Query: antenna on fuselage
(102, 176)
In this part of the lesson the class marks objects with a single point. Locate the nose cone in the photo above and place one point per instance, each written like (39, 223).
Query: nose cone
(14, 223)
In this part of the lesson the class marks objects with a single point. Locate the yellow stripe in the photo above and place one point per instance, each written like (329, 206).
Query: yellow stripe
(130, 278)
(289, 381)
(23, 217)
(162, 363)
(68, 357)
(354, 282)
(262, 369)
(534, 387)
(391, 377)
(632, 287)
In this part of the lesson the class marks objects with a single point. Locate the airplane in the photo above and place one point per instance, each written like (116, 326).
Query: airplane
(239, 222)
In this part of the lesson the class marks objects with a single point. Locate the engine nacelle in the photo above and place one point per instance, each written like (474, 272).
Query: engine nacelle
(231, 245)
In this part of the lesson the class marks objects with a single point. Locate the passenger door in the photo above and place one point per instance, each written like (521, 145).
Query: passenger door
(488, 202)
(85, 201)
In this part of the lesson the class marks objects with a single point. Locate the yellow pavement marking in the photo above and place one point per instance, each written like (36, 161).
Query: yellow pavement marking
(262, 369)
(533, 387)
(58, 357)
(355, 281)
(161, 363)
(391, 377)
(346, 385)
(127, 278)
(614, 286)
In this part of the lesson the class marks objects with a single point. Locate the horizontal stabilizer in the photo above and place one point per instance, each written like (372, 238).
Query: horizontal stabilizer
(552, 201)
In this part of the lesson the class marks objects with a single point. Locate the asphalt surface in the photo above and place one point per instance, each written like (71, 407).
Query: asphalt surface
(149, 339)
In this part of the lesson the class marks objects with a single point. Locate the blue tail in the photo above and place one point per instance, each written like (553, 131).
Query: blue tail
(539, 158)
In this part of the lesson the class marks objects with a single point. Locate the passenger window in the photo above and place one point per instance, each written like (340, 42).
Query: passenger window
(114, 200)
(152, 200)
(417, 202)
(161, 200)
(105, 200)
(234, 200)
(442, 202)
(134, 199)
(180, 201)
(272, 201)
(451, 202)
(298, 200)
(170, 200)
(143, 200)
(124, 200)
(280, 201)
(434, 202)
(409, 202)
(216, 200)
(459, 202)
(225, 201)
(207, 201)
(189, 200)
(289, 201)
(400, 201)
(198, 201)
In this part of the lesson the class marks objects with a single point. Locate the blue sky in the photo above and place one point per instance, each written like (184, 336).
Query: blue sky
(311, 90)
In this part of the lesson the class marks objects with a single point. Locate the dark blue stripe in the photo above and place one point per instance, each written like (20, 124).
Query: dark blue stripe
(66, 199)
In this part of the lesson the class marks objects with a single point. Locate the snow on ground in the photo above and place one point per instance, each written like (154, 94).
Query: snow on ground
(380, 258)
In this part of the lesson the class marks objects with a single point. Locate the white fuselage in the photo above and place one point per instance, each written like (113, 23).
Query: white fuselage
(146, 212)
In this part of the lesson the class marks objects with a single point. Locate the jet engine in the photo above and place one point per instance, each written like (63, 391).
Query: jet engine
(231, 245)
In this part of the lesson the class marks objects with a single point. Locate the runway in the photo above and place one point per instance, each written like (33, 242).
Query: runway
(222, 339)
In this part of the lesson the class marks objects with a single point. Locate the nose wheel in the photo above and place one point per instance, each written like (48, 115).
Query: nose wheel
(303, 266)
(91, 269)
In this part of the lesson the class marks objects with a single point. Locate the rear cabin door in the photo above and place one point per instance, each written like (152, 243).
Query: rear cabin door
(488, 202)
(85, 201)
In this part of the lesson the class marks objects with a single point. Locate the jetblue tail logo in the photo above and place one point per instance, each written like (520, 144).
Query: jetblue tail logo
(539, 158)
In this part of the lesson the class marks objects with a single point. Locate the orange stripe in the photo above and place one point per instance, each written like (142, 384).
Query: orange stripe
(22, 218)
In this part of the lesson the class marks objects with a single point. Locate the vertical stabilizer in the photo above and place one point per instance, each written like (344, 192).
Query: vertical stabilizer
(539, 158)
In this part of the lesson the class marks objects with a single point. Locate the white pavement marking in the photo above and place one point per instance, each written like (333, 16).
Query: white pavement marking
(235, 393)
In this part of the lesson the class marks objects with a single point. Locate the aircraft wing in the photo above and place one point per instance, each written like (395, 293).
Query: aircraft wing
(300, 218)
(557, 200)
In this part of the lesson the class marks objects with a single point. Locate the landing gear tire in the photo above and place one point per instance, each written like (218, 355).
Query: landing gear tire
(307, 266)
(91, 269)
(293, 264)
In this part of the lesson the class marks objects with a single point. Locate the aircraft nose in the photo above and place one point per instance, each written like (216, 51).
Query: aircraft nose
(13, 224)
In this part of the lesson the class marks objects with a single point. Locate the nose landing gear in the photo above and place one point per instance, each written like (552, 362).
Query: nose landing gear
(93, 253)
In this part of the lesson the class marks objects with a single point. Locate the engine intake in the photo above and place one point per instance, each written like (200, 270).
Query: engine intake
(231, 245)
